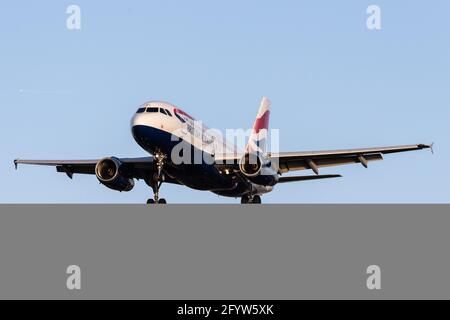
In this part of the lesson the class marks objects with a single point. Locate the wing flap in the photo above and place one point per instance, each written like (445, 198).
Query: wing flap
(307, 178)
(71, 169)
(291, 164)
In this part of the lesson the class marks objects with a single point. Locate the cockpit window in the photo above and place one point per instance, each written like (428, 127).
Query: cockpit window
(155, 110)
(152, 109)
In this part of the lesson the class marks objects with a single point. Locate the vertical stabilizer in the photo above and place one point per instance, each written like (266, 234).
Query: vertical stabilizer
(258, 138)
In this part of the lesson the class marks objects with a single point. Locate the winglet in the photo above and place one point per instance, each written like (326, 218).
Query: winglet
(16, 161)
(426, 146)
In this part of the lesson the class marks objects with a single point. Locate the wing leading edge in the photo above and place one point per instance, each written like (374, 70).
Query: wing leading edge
(138, 168)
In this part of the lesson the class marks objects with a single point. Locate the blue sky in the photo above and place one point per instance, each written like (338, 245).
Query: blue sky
(333, 84)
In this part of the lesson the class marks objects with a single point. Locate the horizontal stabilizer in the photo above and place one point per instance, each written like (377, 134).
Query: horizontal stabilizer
(305, 178)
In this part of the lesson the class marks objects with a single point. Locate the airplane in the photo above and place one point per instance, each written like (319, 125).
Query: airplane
(160, 127)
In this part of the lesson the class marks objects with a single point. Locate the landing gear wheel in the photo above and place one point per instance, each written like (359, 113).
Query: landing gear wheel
(256, 199)
(150, 201)
(244, 200)
(162, 201)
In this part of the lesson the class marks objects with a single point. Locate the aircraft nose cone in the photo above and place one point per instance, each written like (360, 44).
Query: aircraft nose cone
(136, 120)
(140, 134)
(152, 139)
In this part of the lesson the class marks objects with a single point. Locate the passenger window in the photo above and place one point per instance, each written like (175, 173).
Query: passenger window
(162, 111)
(152, 109)
(140, 110)
(168, 113)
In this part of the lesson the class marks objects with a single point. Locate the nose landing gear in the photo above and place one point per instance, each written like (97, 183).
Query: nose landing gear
(156, 181)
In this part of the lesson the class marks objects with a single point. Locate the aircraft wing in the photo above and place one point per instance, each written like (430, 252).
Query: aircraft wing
(138, 168)
(314, 160)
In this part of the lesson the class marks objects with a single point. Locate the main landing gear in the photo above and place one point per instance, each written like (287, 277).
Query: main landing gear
(251, 199)
(156, 181)
(160, 201)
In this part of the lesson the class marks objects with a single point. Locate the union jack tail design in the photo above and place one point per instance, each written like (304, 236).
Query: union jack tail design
(259, 135)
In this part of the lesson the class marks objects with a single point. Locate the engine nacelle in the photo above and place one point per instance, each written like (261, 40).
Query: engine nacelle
(258, 169)
(110, 174)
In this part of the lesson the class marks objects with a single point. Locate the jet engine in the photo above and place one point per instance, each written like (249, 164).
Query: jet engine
(110, 172)
(258, 169)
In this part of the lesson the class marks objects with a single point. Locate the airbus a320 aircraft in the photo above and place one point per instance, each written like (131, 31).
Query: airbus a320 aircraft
(230, 173)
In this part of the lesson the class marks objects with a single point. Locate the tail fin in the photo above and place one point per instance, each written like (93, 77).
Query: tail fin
(258, 138)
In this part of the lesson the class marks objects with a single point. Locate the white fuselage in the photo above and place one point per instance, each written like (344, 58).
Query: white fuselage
(159, 126)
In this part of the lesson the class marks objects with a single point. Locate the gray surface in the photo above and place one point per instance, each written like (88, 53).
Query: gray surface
(225, 251)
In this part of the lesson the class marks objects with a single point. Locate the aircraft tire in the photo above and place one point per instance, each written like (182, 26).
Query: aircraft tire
(256, 199)
(244, 200)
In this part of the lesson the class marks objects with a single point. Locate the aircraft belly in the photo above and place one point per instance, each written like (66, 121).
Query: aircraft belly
(200, 177)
